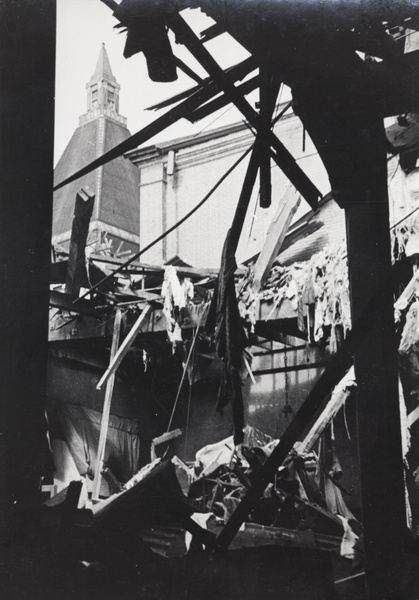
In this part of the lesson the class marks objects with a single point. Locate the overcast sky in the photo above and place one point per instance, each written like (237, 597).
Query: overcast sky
(82, 27)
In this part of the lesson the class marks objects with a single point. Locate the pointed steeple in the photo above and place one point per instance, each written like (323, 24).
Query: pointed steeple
(102, 92)
(103, 68)
(115, 185)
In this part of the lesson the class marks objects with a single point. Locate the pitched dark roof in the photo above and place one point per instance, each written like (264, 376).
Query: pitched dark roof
(116, 200)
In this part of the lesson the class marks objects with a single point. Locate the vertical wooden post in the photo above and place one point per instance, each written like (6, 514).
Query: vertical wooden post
(379, 436)
(269, 88)
(106, 409)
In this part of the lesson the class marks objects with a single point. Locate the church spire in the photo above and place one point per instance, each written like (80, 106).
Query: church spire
(103, 68)
(102, 92)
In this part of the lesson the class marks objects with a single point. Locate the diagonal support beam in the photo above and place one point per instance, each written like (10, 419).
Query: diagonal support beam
(245, 196)
(125, 346)
(283, 158)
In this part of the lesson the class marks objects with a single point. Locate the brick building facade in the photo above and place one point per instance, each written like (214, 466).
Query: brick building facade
(176, 175)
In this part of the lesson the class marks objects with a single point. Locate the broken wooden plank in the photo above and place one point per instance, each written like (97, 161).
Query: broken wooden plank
(76, 267)
(163, 439)
(337, 400)
(275, 236)
(106, 409)
(166, 437)
(125, 346)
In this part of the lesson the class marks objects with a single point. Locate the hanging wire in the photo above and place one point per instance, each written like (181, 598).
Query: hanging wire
(189, 401)
(287, 409)
(404, 218)
(346, 421)
(190, 394)
(185, 368)
(214, 120)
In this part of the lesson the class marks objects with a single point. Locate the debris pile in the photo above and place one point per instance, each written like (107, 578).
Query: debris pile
(173, 509)
(299, 508)
(316, 291)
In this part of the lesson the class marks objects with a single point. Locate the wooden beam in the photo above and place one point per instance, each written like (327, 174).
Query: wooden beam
(376, 371)
(268, 92)
(274, 238)
(413, 416)
(167, 437)
(125, 346)
(76, 267)
(245, 195)
(337, 400)
(104, 424)
(282, 157)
